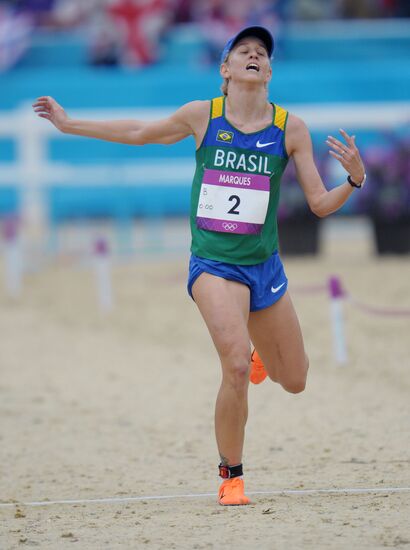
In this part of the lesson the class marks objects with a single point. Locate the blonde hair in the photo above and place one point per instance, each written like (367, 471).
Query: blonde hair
(224, 85)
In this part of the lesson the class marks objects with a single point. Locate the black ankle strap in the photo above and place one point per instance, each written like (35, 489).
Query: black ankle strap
(226, 472)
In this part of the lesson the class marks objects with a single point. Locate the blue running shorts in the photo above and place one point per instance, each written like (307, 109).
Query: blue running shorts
(267, 281)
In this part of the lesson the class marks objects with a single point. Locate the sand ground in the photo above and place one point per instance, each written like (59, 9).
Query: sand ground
(112, 405)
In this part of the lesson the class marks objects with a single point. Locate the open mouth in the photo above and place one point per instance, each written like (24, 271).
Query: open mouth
(252, 67)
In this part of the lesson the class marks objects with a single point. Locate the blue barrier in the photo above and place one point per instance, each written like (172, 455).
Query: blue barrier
(7, 150)
(117, 202)
(292, 82)
(9, 200)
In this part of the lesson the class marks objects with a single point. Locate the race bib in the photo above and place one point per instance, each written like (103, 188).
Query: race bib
(233, 202)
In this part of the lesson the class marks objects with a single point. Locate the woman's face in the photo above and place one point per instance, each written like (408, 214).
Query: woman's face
(248, 62)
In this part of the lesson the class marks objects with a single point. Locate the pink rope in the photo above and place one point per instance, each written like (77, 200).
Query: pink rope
(308, 289)
(340, 292)
(385, 311)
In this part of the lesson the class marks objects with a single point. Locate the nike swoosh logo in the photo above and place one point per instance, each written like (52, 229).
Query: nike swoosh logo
(276, 289)
(259, 144)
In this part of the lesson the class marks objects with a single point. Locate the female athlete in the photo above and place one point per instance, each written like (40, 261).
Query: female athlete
(243, 143)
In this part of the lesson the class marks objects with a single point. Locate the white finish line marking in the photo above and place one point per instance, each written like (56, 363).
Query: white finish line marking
(285, 492)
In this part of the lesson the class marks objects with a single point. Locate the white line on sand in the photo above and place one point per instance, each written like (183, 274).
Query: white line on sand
(116, 500)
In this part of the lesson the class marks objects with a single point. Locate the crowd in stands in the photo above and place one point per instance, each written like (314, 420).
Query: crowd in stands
(128, 32)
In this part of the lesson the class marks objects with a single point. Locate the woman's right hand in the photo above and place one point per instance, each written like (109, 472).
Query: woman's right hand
(47, 107)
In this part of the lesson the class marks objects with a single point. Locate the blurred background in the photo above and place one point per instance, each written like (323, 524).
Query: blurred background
(91, 405)
(339, 63)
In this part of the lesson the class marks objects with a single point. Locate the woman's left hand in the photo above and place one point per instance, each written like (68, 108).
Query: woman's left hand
(348, 155)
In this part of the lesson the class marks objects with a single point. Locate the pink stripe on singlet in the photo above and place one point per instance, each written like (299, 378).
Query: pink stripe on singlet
(239, 180)
(227, 226)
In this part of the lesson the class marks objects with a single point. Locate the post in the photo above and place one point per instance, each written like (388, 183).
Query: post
(336, 295)
(12, 257)
(103, 275)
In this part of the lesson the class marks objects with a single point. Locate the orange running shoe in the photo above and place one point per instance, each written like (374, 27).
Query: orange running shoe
(258, 372)
(231, 492)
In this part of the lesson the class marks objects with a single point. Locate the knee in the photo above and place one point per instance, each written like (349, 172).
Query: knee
(297, 384)
(294, 386)
(236, 371)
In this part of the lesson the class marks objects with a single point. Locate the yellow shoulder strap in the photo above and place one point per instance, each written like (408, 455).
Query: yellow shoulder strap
(217, 107)
(280, 117)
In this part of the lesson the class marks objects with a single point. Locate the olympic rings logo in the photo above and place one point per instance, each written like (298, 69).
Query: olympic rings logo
(230, 226)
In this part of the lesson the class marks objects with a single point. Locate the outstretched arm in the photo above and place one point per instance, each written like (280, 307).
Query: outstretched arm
(182, 123)
(299, 144)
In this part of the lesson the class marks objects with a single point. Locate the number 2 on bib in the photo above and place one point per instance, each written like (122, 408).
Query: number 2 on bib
(233, 202)
(236, 204)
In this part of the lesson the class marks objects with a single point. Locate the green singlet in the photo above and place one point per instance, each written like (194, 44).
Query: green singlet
(235, 191)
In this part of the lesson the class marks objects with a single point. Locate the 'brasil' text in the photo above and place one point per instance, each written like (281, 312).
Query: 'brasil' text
(235, 161)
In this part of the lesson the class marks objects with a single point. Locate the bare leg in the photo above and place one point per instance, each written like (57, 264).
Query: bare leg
(277, 337)
(224, 306)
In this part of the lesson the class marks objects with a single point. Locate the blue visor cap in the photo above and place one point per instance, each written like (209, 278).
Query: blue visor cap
(259, 32)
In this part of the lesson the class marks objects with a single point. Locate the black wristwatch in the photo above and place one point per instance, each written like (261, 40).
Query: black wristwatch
(354, 184)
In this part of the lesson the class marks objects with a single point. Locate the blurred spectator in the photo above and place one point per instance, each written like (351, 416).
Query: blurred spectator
(77, 13)
(15, 36)
(129, 31)
(107, 43)
(141, 23)
(315, 9)
(360, 9)
(60, 13)
(345, 9)
(221, 19)
(40, 11)
(181, 11)
(395, 8)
